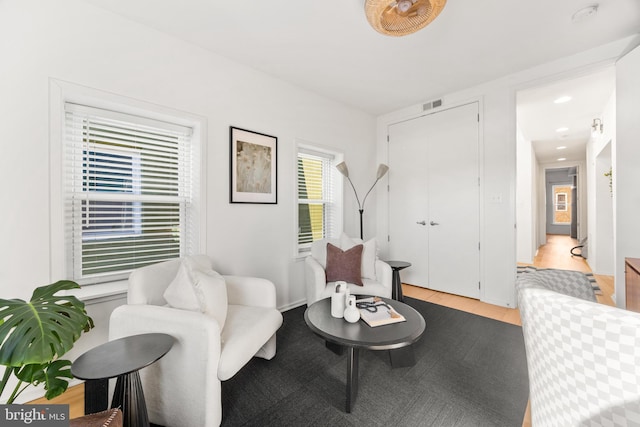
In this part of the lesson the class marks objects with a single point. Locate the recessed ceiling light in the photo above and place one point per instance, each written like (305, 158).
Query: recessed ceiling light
(562, 129)
(562, 159)
(562, 99)
(562, 147)
(584, 13)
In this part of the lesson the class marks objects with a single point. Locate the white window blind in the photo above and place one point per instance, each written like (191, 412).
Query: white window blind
(316, 197)
(128, 183)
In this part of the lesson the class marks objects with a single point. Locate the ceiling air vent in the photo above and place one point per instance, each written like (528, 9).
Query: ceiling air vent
(433, 104)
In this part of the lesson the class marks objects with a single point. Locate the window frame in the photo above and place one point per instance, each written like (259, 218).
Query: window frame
(61, 259)
(560, 206)
(337, 191)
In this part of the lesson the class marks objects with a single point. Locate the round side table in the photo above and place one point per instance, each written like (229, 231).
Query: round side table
(396, 266)
(121, 358)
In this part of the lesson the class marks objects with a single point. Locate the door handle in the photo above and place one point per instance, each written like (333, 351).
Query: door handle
(433, 223)
(423, 222)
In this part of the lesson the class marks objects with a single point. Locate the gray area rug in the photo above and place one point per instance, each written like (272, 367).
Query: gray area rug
(470, 371)
(589, 276)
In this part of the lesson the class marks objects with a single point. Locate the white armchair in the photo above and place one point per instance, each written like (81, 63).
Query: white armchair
(183, 388)
(376, 274)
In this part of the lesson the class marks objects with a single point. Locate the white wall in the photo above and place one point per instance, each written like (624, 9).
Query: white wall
(599, 153)
(626, 169)
(498, 179)
(526, 203)
(71, 41)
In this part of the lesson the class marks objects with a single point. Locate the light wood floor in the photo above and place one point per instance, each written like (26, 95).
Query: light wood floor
(554, 254)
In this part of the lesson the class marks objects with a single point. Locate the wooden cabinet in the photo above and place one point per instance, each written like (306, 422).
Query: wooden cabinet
(632, 283)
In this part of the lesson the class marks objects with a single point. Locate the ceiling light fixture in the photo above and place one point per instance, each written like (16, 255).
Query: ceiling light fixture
(562, 99)
(562, 147)
(401, 17)
(562, 159)
(597, 125)
(562, 129)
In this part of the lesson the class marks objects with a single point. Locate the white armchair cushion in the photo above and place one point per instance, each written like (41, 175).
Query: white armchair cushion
(243, 336)
(181, 291)
(198, 288)
(319, 250)
(212, 292)
(369, 254)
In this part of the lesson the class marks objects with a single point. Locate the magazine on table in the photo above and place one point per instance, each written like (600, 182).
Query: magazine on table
(375, 312)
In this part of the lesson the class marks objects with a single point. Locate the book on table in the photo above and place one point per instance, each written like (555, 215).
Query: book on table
(375, 312)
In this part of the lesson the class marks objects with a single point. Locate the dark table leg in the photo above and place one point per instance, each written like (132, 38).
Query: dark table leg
(353, 357)
(129, 397)
(96, 395)
(397, 286)
(336, 348)
(402, 357)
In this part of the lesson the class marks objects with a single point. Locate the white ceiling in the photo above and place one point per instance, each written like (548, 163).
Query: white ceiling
(329, 48)
(540, 119)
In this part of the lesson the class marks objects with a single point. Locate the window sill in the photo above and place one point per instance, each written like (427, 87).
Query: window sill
(95, 294)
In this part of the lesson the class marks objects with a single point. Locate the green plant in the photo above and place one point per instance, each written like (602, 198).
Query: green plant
(34, 334)
(610, 176)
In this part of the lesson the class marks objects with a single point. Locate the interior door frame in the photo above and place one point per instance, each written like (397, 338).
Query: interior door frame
(581, 201)
(383, 202)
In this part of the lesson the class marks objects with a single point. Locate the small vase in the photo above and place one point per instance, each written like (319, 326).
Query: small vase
(338, 301)
(351, 313)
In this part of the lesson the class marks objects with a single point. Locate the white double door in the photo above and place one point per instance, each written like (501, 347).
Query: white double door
(434, 202)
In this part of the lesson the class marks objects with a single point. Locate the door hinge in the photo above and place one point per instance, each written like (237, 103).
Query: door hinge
(387, 138)
(478, 117)
(478, 181)
(478, 245)
(388, 238)
(478, 285)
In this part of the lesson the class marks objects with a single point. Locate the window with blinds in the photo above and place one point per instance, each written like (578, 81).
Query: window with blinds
(128, 183)
(317, 212)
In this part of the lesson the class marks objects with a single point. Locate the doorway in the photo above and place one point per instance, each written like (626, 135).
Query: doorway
(555, 125)
(561, 202)
(434, 204)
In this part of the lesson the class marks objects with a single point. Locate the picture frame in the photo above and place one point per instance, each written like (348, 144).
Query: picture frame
(253, 167)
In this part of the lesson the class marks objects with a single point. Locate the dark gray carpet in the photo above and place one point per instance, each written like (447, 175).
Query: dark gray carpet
(470, 371)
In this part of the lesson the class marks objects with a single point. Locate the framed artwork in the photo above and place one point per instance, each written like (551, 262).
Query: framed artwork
(253, 167)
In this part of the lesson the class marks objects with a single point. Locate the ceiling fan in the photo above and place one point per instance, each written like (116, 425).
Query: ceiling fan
(401, 17)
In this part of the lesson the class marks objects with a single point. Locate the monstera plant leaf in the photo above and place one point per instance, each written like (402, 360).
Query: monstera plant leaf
(53, 375)
(39, 331)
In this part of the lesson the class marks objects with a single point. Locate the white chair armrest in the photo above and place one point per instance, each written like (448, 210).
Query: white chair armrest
(185, 380)
(384, 274)
(252, 291)
(316, 279)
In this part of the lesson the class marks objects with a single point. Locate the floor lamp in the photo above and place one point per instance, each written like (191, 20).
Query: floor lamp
(382, 170)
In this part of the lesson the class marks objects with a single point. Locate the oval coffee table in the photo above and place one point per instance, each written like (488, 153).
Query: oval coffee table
(359, 335)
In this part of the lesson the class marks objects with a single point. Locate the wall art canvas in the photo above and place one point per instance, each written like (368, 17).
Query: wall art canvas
(254, 167)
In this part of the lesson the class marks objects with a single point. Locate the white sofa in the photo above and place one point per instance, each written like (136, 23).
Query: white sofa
(183, 388)
(583, 357)
(377, 276)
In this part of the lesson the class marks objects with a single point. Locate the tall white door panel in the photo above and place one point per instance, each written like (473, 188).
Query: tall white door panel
(434, 200)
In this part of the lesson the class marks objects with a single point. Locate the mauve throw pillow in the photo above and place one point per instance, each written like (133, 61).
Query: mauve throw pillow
(344, 265)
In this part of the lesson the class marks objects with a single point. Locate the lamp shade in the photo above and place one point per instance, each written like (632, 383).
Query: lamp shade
(382, 170)
(342, 168)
